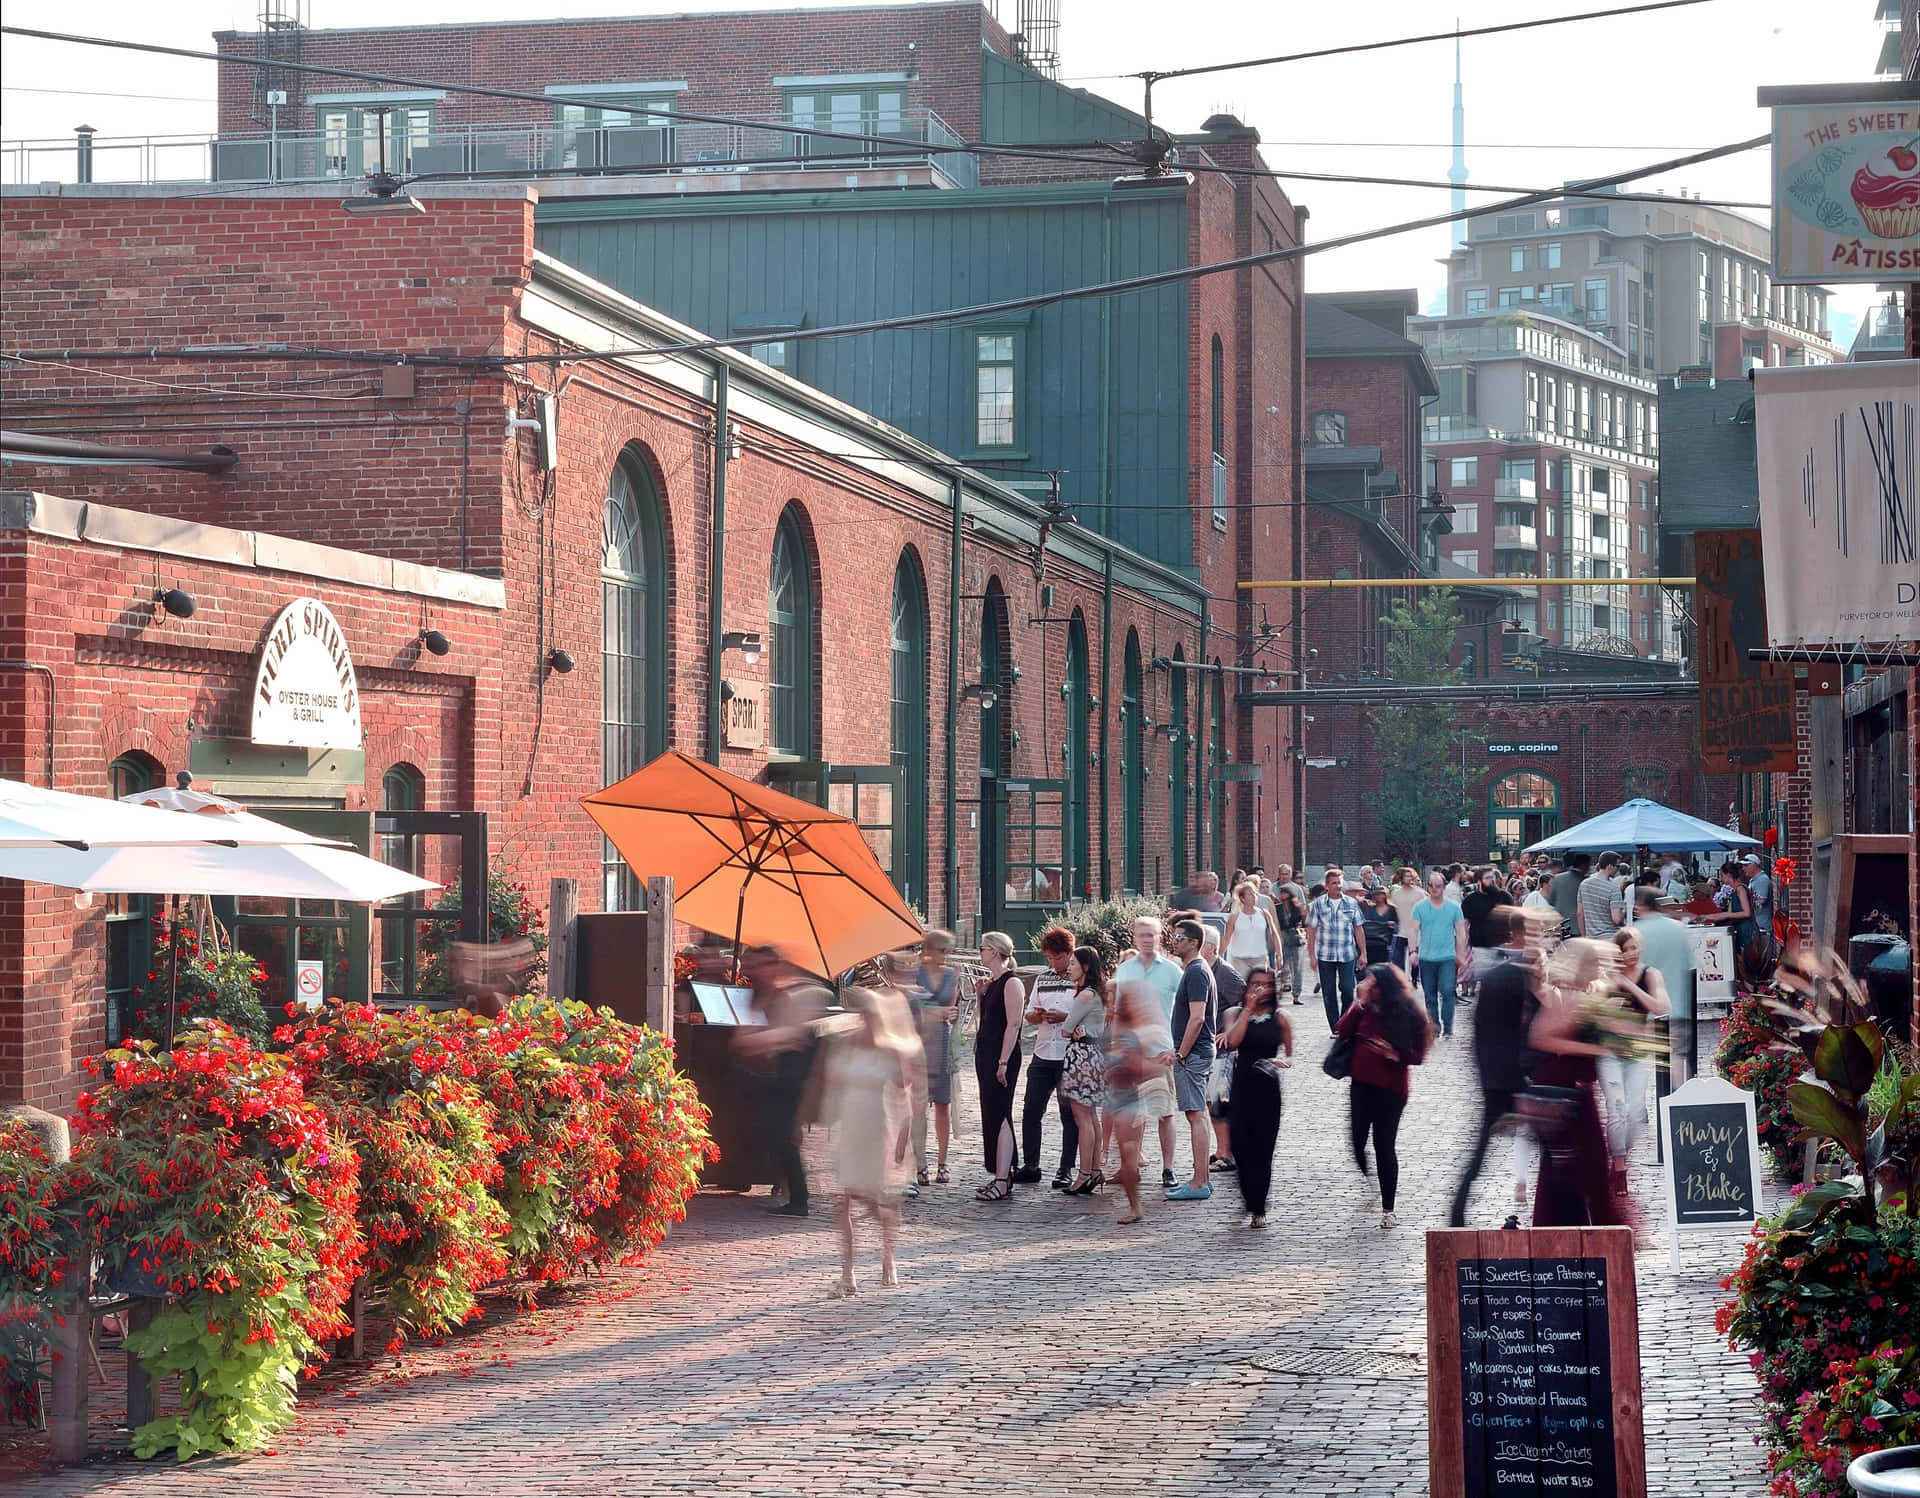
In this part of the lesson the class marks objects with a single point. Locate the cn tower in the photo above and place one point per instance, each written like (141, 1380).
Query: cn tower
(1457, 173)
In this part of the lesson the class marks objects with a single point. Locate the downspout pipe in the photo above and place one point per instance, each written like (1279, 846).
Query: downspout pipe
(958, 498)
(1296, 448)
(1106, 716)
(1202, 765)
(716, 571)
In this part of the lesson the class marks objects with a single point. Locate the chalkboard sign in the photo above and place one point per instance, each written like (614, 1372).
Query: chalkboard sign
(1712, 1173)
(1534, 1364)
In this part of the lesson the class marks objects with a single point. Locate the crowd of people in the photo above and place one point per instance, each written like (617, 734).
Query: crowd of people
(1569, 969)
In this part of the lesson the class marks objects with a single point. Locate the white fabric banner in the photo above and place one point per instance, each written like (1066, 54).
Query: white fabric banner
(1838, 501)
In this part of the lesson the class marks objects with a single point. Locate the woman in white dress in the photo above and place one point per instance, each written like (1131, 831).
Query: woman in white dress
(868, 1073)
(1252, 937)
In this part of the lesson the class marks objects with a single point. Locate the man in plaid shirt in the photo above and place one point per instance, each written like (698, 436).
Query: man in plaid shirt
(1333, 944)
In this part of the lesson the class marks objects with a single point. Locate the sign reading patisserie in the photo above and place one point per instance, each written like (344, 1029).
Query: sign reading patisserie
(1846, 192)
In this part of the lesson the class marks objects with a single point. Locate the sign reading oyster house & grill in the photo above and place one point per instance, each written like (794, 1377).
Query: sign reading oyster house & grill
(305, 693)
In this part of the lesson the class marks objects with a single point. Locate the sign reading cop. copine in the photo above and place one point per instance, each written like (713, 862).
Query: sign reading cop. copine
(305, 693)
(1846, 192)
(1838, 506)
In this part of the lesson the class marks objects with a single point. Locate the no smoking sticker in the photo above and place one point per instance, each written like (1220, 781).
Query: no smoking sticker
(308, 979)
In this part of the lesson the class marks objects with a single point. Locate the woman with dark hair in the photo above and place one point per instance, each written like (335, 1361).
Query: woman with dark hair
(1391, 1032)
(1261, 1041)
(1083, 1083)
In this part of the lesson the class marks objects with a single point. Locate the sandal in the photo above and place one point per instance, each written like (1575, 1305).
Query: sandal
(941, 1175)
(1087, 1184)
(998, 1191)
(924, 1180)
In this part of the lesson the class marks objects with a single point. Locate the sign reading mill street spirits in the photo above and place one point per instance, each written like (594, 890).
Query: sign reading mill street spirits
(305, 693)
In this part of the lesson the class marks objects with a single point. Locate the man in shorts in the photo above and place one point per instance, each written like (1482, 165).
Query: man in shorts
(1194, 1021)
(1161, 974)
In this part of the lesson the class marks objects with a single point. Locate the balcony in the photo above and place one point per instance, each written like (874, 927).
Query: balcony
(1515, 538)
(679, 153)
(1513, 489)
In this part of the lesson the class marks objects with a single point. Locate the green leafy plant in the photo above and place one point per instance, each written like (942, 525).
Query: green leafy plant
(1421, 785)
(1758, 1055)
(223, 986)
(34, 1260)
(511, 916)
(1107, 925)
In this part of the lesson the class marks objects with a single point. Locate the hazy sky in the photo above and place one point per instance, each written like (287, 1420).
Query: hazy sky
(1543, 107)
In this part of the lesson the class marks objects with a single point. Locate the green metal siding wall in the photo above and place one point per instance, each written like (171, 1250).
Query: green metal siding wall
(1021, 107)
(821, 259)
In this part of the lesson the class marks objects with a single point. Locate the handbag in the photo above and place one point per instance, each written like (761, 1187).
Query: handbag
(1338, 1062)
(1220, 1078)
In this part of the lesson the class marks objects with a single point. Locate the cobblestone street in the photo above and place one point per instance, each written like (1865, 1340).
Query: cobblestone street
(1036, 1347)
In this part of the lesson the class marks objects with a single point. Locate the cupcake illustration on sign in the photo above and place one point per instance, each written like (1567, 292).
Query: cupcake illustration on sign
(1889, 202)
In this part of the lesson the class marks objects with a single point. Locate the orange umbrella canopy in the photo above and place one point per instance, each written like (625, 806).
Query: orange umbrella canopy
(778, 871)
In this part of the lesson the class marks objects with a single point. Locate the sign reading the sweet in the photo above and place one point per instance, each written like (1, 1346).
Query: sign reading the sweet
(1534, 1364)
(305, 693)
(1846, 192)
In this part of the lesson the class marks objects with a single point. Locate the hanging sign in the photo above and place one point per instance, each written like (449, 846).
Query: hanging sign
(1846, 192)
(305, 693)
(1712, 1179)
(1837, 448)
(746, 715)
(1533, 1364)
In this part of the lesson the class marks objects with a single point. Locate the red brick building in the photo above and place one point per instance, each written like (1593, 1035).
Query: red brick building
(401, 483)
(1526, 769)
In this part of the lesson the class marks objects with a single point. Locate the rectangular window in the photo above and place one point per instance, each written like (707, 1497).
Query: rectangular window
(778, 354)
(1643, 492)
(1466, 519)
(614, 131)
(1533, 402)
(1596, 293)
(851, 110)
(1549, 257)
(1602, 480)
(1466, 472)
(1468, 561)
(1477, 299)
(1640, 535)
(1551, 512)
(1513, 223)
(351, 143)
(1517, 257)
(1553, 613)
(1646, 628)
(1599, 531)
(1510, 296)
(993, 390)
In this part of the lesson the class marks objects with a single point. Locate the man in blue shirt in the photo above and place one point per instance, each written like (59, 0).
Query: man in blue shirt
(1194, 1021)
(1439, 946)
(1333, 944)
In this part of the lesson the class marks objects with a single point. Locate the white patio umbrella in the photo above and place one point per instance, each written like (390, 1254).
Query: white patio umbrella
(32, 816)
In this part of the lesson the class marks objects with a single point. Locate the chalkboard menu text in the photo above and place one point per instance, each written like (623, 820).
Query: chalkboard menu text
(1534, 1364)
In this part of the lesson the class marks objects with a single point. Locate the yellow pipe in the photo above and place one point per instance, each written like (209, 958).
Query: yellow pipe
(1473, 582)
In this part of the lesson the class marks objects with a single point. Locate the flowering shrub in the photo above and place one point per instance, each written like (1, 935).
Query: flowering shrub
(206, 1175)
(1825, 1308)
(426, 1147)
(511, 916)
(33, 1261)
(1755, 1057)
(224, 986)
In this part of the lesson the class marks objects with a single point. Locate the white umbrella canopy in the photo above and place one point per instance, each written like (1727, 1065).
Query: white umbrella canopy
(33, 817)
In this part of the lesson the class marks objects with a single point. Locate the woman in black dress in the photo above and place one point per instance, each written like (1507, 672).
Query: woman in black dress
(1262, 1044)
(996, 1060)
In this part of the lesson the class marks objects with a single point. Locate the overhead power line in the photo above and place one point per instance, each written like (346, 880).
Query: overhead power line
(1150, 281)
(1155, 76)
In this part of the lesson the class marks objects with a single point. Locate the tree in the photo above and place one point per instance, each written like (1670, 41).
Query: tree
(1418, 744)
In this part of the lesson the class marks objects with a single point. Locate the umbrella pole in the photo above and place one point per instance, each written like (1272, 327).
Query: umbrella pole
(739, 919)
(173, 968)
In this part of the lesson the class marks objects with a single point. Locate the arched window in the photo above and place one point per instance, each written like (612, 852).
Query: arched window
(1133, 762)
(1074, 756)
(909, 700)
(633, 616)
(129, 917)
(1180, 773)
(1523, 806)
(1218, 403)
(402, 788)
(790, 641)
(1217, 793)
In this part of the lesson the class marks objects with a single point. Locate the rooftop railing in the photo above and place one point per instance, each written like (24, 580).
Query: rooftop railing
(909, 138)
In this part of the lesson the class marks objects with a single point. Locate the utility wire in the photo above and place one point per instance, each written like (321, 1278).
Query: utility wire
(1151, 281)
(1156, 76)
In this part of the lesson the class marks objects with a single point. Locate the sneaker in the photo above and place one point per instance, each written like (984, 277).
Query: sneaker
(912, 1193)
(1190, 1193)
(1166, 1180)
(1028, 1177)
(1388, 1220)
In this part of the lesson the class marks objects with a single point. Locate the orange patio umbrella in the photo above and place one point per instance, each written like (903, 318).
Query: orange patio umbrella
(779, 871)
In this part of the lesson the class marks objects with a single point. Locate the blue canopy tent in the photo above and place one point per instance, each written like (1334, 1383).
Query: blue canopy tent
(1643, 824)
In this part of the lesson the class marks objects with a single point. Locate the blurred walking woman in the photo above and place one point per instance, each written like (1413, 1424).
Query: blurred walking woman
(1262, 1043)
(996, 1060)
(1083, 1083)
(1392, 1032)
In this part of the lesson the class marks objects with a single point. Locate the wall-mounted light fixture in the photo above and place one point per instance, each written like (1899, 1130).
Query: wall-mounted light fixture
(436, 643)
(746, 641)
(177, 602)
(559, 661)
(988, 698)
